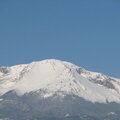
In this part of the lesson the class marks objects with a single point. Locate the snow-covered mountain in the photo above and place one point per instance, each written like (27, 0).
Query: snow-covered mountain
(60, 78)
(57, 90)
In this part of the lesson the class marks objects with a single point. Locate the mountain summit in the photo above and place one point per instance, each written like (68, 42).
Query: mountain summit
(57, 90)
(61, 78)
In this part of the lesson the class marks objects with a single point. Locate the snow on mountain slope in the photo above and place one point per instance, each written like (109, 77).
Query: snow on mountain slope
(54, 76)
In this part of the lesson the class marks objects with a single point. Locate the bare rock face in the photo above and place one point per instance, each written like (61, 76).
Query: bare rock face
(4, 70)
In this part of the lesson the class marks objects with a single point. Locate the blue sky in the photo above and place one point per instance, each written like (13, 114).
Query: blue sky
(84, 32)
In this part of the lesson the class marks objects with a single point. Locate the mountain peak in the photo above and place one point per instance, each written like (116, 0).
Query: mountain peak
(55, 76)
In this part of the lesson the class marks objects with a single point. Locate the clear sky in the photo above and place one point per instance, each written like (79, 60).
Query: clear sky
(84, 32)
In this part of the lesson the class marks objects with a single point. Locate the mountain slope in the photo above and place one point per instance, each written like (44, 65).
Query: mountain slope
(61, 78)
